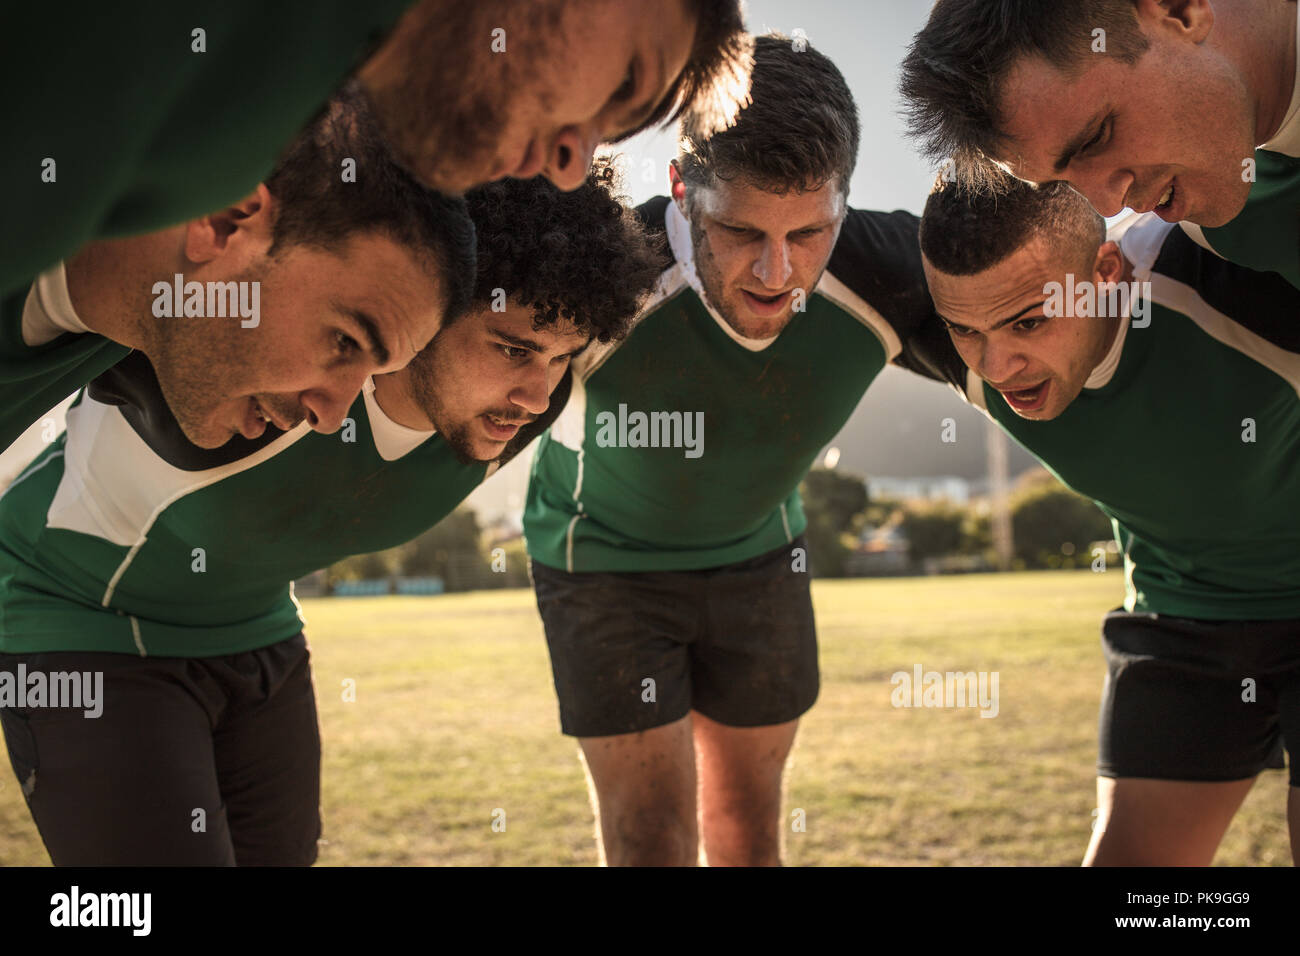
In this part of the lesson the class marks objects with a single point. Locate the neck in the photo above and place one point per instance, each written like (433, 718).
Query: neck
(1115, 321)
(110, 284)
(393, 393)
(1259, 36)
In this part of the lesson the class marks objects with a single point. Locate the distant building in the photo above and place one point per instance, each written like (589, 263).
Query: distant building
(935, 488)
(880, 551)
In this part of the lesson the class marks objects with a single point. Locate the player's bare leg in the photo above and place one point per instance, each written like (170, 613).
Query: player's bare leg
(643, 792)
(1144, 822)
(741, 772)
(1293, 822)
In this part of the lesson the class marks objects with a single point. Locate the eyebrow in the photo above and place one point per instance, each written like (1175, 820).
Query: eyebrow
(1074, 146)
(994, 328)
(531, 345)
(742, 224)
(370, 329)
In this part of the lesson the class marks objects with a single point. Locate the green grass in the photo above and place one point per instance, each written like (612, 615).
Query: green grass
(455, 717)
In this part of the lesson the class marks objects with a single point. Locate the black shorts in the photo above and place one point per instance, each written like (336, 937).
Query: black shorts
(632, 651)
(211, 761)
(1198, 700)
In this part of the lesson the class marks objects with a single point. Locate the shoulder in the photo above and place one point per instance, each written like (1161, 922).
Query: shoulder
(653, 213)
(1263, 302)
(878, 258)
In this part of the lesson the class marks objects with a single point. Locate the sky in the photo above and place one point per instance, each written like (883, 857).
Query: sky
(867, 40)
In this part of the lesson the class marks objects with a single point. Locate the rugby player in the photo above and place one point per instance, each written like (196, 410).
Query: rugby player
(129, 551)
(1183, 425)
(1150, 104)
(129, 121)
(303, 288)
(670, 566)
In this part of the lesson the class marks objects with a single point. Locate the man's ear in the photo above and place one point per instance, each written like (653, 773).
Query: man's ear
(247, 225)
(1193, 19)
(676, 186)
(1109, 265)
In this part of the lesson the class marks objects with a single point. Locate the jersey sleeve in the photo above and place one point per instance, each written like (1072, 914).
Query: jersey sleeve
(929, 352)
(878, 257)
(1265, 303)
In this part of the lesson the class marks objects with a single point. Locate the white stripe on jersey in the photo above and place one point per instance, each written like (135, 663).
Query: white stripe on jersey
(856, 306)
(114, 485)
(1181, 297)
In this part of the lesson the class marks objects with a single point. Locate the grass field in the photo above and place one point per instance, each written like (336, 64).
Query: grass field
(455, 717)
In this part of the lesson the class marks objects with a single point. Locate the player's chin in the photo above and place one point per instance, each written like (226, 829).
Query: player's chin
(211, 432)
(1221, 210)
(489, 450)
(210, 441)
(1051, 410)
(483, 449)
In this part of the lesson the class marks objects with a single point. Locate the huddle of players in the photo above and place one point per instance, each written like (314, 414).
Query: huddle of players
(774, 306)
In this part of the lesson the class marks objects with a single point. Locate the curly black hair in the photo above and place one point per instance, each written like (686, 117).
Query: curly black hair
(581, 256)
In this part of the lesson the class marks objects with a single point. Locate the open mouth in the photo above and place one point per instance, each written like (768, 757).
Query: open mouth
(1027, 399)
(1169, 207)
(765, 305)
(501, 429)
(254, 421)
(261, 415)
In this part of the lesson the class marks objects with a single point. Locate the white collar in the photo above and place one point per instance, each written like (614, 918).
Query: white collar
(1105, 370)
(392, 440)
(1140, 238)
(48, 311)
(1287, 139)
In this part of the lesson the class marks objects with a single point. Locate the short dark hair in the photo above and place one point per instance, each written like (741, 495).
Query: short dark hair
(581, 257)
(714, 85)
(317, 208)
(953, 74)
(964, 232)
(799, 131)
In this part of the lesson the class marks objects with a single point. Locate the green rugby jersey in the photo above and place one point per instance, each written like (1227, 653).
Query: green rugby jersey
(1208, 521)
(1265, 236)
(98, 536)
(683, 446)
(146, 133)
(46, 352)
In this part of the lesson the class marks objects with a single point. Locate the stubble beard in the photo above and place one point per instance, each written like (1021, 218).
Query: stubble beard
(446, 121)
(706, 267)
(423, 376)
(194, 373)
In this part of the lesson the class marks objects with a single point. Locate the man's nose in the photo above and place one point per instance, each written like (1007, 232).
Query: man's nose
(533, 394)
(327, 405)
(570, 156)
(773, 267)
(1106, 189)
(999, 363)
